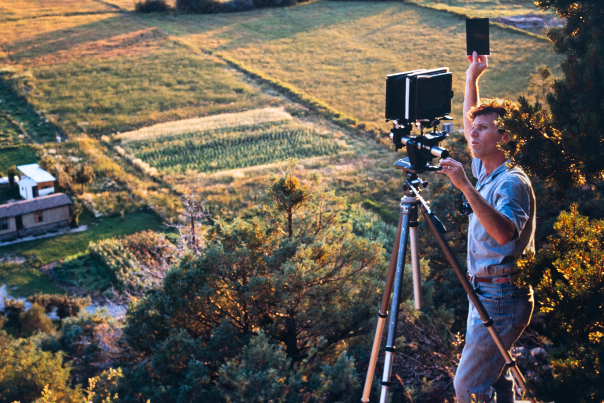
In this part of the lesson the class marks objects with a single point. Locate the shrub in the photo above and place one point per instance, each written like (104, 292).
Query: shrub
(92, 343)
(25, 370)
(132, 264)
(198, 6)
(151, 6)
(274, 3)
(35, 320)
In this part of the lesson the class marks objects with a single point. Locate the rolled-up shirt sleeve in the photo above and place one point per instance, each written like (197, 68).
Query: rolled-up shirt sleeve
(513, 200)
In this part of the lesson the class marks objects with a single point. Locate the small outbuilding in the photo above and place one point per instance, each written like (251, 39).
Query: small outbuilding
(34, 216)
(35, 181)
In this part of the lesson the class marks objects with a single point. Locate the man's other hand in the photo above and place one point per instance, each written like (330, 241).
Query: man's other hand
(454, 170)
(478, 64)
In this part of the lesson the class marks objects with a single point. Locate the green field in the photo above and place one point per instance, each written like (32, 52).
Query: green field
(232, 148)
(341, 52)
(22, 280)
(51, 249)
(483, 8)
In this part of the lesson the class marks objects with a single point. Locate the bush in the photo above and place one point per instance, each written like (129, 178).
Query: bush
(35, 320)
(274, 3)
(92, 343)
(25, 370)
(198, 6)
(151, 6)
(132, 264)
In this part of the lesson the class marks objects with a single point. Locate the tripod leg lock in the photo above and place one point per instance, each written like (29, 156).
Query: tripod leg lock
(382, 315)
(510, 364)
(488, 323)
(386, 384)
(390, 349)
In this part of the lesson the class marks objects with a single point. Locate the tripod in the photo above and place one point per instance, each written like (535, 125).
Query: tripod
(407, 229)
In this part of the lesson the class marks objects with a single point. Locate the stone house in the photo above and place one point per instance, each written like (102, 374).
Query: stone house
(35, 181)
(34, 216)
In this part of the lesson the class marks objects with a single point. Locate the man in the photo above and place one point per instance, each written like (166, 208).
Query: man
(501, 228)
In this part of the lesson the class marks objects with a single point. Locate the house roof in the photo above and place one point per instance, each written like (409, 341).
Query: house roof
(36, 173)
(29, 206)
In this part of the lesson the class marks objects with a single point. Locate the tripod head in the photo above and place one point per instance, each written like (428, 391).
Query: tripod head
(423, 148)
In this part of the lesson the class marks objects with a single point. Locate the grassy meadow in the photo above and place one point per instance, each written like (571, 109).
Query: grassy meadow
(483, 8)
(341, 52)
(99, 73)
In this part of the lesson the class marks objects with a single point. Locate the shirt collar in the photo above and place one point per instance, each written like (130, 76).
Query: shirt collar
(492, 176)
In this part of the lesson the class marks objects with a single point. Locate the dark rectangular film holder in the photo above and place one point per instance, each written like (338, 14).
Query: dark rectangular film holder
(477, 36)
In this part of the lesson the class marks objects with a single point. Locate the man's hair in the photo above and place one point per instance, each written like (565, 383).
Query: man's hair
(499, 106)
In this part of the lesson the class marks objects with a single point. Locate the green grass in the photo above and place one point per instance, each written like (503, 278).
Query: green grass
(27, 279)
(16, 156)
(341, 52)
(19, 120)
(47, 250)
(484, 8)
(122, 93)
(232, 148)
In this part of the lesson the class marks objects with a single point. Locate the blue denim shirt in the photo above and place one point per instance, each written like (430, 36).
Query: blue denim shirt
(509, 190)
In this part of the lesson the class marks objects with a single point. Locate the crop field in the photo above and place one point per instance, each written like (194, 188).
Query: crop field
(341, 52)
(203, 148)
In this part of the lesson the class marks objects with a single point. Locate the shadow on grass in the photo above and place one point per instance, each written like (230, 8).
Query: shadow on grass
(102, 34)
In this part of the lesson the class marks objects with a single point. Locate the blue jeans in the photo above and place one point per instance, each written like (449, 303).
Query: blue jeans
(480, 371)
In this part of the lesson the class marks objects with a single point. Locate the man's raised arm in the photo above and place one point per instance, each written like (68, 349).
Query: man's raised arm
(478, 65)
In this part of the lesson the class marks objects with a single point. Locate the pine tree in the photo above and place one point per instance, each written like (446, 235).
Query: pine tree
(563, 148)
(299, 274)
(566, 146)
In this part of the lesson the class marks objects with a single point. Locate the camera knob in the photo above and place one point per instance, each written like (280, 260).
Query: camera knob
(391, 136)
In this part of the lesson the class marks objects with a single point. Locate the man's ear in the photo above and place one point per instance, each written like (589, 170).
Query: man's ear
(505, 136)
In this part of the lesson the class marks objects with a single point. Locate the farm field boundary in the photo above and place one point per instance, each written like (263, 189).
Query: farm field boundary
(456, 11)
(296, 94)
(223, 120)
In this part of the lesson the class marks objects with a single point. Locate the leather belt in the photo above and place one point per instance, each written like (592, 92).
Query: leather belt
(495, 280)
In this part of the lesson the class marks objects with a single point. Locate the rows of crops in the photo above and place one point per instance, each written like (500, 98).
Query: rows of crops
(232, 148)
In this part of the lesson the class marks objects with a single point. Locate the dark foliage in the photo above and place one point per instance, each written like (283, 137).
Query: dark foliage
(274, 3)
(25, 370)
(565, 147)
(151, 6)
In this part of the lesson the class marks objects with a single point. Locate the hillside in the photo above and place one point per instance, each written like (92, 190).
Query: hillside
(167, 119)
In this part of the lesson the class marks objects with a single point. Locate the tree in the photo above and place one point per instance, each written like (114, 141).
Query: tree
(65, 305)
(92, 343)
(12, 172)
(12, 309)
(195, 210)
(563, 149)
(25, 370)
(84, 175)
(564, 146)
(298, 274)
(74, 213)
(35, 320)
(569, 285)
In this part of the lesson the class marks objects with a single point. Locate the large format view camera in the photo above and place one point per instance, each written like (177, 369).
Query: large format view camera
(422, 98)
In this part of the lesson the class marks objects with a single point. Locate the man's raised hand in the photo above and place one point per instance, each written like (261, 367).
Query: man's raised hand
(478, 64)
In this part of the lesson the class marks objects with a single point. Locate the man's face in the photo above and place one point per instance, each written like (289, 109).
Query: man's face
(484, 137)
